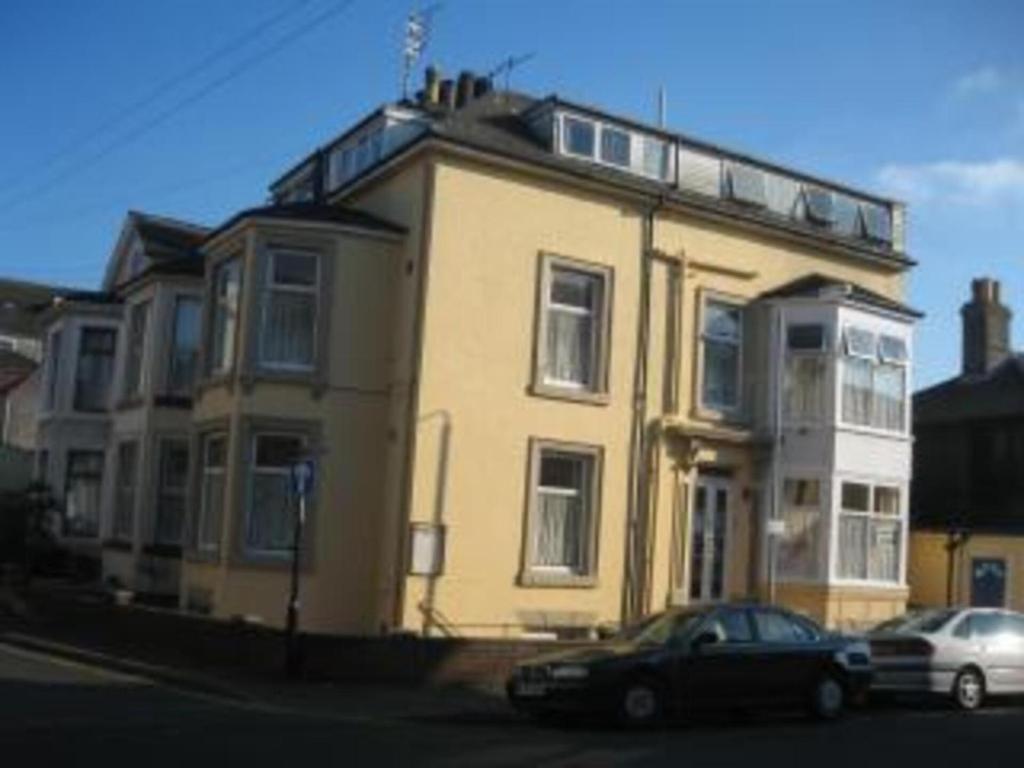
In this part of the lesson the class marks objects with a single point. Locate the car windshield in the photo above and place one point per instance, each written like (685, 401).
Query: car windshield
(918, 621)
(661, 628)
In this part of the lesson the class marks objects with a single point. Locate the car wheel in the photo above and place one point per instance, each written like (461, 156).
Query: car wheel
(828, 700)
(969, 689)
(641, 703)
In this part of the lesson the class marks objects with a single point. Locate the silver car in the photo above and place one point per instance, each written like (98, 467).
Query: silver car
(965, 653)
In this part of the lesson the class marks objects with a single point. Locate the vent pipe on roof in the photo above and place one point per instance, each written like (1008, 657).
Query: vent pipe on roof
(464, 91)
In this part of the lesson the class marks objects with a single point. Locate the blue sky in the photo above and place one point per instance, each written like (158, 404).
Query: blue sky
(923, 100)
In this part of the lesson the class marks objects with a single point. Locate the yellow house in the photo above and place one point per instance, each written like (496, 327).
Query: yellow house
(556, 369)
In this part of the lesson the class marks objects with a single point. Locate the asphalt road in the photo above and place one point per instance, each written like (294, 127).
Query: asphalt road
(56, 713)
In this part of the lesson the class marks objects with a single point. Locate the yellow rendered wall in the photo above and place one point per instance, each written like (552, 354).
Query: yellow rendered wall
(928, 567)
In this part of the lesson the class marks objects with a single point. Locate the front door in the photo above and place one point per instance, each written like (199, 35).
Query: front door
(708, 539)
(988, 582)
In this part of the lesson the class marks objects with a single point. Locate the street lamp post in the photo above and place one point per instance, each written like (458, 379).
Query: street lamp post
(302, 482)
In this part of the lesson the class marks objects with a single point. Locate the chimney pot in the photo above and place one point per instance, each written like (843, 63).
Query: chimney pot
(432, 85)
(464, 92)
(481, 86)
(447, 94)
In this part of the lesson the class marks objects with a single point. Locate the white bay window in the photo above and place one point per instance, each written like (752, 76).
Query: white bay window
(874, 379)
(288, 338)
(870, 532)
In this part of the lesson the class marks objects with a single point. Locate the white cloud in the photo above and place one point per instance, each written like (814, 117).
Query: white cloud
(980, 81)
(956, 182)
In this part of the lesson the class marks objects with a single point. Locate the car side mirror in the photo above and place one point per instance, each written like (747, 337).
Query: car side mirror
(704, 639)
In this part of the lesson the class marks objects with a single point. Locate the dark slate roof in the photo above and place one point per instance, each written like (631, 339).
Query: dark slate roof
(163, 236)
(996, 394)
(814, 285)
(497, 123)
(331, 214)
(20, 300)
(14, 367)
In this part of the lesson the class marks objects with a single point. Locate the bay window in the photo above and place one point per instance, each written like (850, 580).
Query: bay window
(124, 496)
(562, 524)
(95, 368)
(138, 319)
(288, 339)
(721, 340)
(270, 517)
(874, 378)
(181, 371)
(227, 277)
(172, 477)
(870, 532)
(806, 369)
(800, 548)
(213, 449)
(573, 326)
(83, 487)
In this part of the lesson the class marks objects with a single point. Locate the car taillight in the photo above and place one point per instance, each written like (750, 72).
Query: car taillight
(911, 646)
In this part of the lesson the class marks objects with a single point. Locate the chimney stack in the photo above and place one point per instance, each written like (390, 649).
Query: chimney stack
(986, 328)
(447, 94)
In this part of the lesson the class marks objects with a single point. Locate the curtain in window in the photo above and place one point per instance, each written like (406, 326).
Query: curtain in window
(212, 508)
(890, 395)
(884, 553)
(800, 548)
(289, 328)
(95, 369)
(559, 538)
(857, 390)
(82, 497)
(170, 512)
(805, 388)
(853, 545)
(569, 345)
(270, 513)
(721, 373)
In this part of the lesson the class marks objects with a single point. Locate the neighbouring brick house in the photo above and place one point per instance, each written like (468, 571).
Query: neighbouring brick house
(967, 514)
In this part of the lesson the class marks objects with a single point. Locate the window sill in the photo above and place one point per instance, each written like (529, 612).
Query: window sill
(585, 397)
(889, 434)
(557, 580)
(734, 417)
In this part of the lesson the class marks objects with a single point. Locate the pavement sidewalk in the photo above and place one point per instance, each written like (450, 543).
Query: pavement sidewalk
(349, 701)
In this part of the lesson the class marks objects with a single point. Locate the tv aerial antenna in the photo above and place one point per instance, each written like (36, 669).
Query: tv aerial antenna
(415, 41)
(506, 66)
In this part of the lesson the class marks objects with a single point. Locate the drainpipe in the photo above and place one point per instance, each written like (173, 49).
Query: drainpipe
(773, 538)
(632, 597)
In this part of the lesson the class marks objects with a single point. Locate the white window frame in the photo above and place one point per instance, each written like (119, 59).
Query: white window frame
(900, 518)
(878, 361)
(821, 569)
(313, 291)
(821, 357)
(638, 141)
(206, 471)
(252, 470)
(725, 410)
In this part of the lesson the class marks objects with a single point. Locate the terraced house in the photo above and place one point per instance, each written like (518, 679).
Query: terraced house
(557, 368)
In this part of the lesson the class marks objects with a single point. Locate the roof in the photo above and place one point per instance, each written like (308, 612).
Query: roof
(498, 123)
(815, 285)
(162, 233)
(14, 368)
(329, 214)
(995, 394)
(19, 302)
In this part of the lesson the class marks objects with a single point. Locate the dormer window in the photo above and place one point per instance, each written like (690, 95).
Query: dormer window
(875, 223)
(818, 204)
(746, 185)
(615, 147)
(578, 137)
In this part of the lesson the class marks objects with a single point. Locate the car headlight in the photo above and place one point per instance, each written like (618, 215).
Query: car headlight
(569, 672)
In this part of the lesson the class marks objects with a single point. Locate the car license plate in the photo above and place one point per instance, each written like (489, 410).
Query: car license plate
(530, 690)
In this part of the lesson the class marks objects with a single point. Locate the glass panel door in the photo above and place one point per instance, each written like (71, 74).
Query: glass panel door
(708, 540)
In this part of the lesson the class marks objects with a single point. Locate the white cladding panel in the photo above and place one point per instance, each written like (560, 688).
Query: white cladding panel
(872, 455)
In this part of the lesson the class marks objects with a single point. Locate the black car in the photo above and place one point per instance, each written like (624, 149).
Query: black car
(731, 656)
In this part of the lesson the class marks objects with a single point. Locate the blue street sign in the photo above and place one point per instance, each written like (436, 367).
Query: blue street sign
(302, 477)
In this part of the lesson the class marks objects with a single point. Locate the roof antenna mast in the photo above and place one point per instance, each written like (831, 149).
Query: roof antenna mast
(506, 66)
(417, 37)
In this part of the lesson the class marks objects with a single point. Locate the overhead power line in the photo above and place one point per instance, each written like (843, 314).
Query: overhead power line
(240, 67)
(159, 90)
